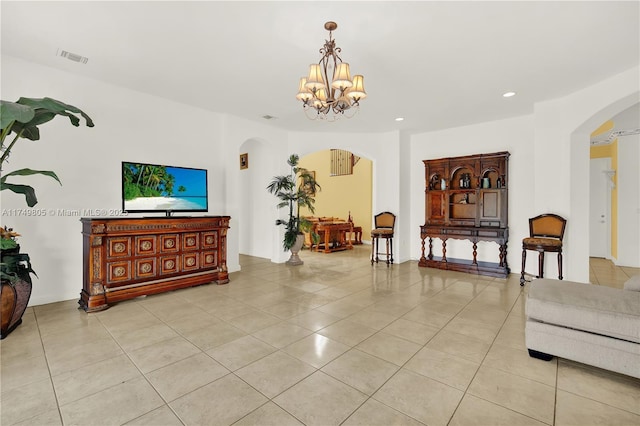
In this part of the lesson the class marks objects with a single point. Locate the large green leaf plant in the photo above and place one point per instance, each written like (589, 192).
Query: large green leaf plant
(295, 190)
(21, 120)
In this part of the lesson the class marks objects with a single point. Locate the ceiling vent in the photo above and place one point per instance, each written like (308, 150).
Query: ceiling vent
(73, 56)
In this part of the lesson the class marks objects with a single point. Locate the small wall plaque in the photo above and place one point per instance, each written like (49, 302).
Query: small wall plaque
(244, 161)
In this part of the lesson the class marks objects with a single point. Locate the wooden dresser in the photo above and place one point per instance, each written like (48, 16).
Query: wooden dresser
(125, 258)
(466, 199)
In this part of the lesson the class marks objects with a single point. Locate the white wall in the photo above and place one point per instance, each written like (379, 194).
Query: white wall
(561, 158)
(548, 166)
(129, 126)
(628, 182)
(628, 201)
(268, 151)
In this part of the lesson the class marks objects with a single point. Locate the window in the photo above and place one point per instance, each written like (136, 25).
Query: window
(342, 162)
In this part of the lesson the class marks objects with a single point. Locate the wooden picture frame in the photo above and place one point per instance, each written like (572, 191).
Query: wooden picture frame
(244, 161)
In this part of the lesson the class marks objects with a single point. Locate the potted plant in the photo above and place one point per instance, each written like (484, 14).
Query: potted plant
(15, 270)
(21, 120)
(295, 190)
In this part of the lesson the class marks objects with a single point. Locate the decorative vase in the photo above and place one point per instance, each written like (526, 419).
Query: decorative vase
(295, 260)
(14, 294)
(14, 298)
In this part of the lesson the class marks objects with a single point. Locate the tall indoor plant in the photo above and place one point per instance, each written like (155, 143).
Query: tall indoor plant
(294, 190)
(20, 120)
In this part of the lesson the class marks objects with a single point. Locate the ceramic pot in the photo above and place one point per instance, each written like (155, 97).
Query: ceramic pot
(295, 249)
(14, 297)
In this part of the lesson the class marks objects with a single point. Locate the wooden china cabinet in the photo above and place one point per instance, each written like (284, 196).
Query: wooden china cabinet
(466, 199)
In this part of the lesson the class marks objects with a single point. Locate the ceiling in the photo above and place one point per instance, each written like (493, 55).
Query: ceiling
(437, 64)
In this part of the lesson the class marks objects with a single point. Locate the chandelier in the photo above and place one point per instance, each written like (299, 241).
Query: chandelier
(330, 99)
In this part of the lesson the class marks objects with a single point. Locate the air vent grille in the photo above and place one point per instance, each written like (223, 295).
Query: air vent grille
(73, 56)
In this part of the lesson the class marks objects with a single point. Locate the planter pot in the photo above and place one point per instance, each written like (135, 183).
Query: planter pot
(295, 249)
(15, 298)
(14, 295)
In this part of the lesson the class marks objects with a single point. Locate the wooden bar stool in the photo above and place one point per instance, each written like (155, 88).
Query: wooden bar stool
(545, 234)
(357, 231)
(384, 224)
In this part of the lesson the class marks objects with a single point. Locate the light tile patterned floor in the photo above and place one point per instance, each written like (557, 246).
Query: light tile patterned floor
(335, 341)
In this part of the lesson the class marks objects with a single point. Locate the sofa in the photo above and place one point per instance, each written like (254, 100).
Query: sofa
(590, 324)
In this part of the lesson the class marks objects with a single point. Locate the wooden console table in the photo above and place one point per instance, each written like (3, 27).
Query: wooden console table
(339, 232)
(125, 258)
(497, 235)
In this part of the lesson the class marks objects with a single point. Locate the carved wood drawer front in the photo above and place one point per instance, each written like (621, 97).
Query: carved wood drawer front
(489, 233)
(210, 259)
(145, 245)
(118, 247)
(169, 264)
(190, 241)
(146, 268)
(464, 223)
(190, 261)
(490, 223)
(210, 239)
(450, 231)
(118, 271)
(169, 243)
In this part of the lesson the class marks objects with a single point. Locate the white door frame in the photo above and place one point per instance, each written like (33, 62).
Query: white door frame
(605, 164)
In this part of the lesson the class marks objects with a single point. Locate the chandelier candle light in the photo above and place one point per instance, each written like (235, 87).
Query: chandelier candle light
(329, 99)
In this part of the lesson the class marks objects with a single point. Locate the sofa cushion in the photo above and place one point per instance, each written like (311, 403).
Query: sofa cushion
(603, 310)
(633, 283)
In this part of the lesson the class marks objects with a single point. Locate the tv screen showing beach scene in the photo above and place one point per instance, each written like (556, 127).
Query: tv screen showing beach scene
(157, 188)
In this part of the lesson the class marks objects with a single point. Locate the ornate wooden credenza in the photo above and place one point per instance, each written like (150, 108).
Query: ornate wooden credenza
(125, 258)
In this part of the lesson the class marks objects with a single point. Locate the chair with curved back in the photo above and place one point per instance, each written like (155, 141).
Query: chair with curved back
(384, 226)
(546, 232)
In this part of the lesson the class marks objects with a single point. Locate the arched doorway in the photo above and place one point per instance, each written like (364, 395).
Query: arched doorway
(343, 193)
(578, 254)
(254, 223)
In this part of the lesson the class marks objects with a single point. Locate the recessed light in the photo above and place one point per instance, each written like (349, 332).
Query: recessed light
(508, 94)
(400, 119)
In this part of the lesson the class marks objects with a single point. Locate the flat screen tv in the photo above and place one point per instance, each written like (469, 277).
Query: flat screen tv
(168, 189)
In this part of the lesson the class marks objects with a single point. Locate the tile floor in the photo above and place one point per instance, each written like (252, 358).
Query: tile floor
(335, 341)
(604, 272)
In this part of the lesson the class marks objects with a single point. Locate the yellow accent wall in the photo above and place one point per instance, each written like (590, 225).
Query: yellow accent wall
(604, 127)
(610, 151)
(342, 194)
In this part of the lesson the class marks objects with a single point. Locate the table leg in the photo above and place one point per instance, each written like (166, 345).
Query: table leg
(327, 237)
(475, 253)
